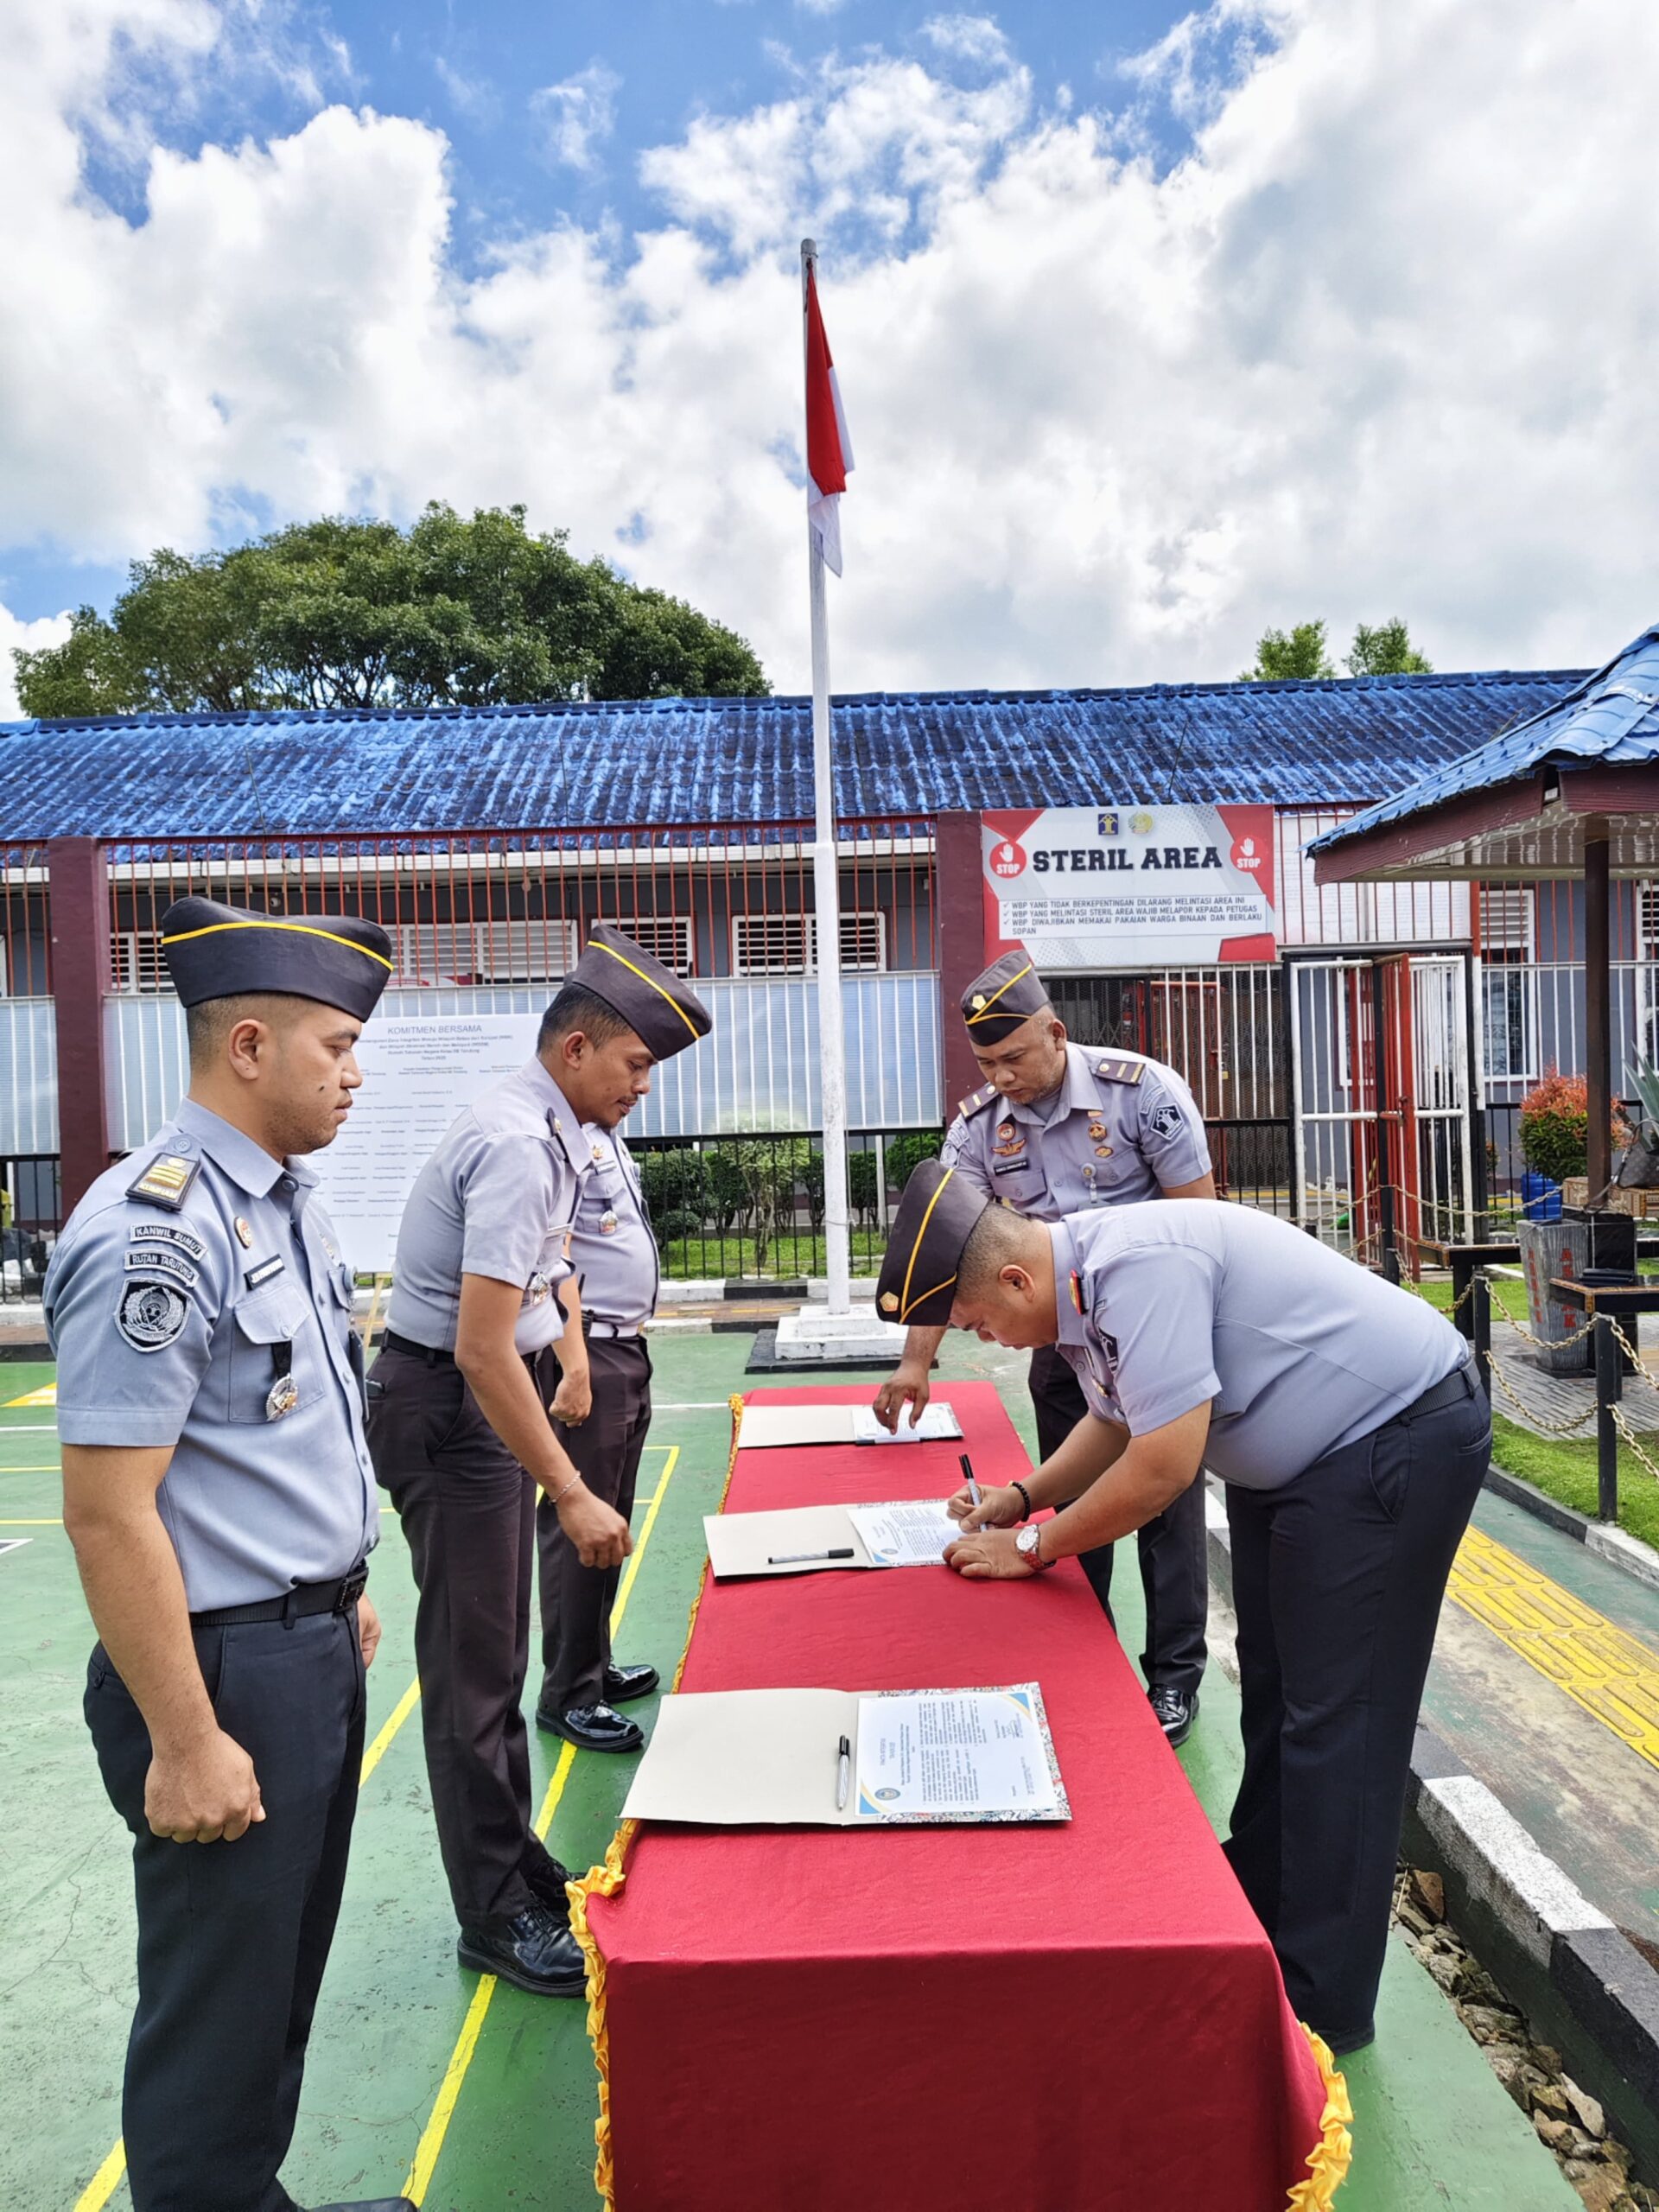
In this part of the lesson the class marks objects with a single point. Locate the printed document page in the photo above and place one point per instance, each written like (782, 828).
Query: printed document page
(937, 1424)
(914, 1534)
(968, 1754)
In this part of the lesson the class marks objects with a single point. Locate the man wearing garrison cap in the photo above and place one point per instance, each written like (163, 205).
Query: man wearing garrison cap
(1055, 1129)
(1352, 1437)
(485, 1341)
(218, 1493)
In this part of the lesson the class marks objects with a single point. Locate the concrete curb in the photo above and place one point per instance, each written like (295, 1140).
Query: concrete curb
(1615, 1545)
(1584, 1986)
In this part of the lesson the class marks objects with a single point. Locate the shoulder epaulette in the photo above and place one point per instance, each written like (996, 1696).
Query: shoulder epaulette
(976, 1099)
(167, 1180)
(1111, 1070)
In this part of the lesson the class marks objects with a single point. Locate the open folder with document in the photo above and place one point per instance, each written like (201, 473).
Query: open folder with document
(804, 1539)
(837, 1758)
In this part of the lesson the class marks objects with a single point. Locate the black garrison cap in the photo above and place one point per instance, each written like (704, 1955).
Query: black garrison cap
(1009, 992)
(219, 952)
(656, 1004)
(935, 1219)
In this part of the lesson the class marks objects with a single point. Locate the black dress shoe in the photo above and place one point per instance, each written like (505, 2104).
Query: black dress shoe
(371, 2204)
(595, 1728)
(547, 1886)
(1176, 1710)
(624, 1684)
(532, 1949)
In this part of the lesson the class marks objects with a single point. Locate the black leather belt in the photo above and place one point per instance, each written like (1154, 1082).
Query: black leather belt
(1461, 1382)
(390, 1341)
(307, 1598)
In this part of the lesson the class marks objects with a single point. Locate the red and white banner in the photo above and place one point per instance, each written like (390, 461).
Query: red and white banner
(1084, 887)
(829, 448)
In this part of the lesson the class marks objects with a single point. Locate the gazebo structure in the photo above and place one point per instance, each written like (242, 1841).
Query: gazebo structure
(1571, 792)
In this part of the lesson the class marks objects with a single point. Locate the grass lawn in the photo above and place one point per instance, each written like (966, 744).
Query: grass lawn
(1565, 1467)
(691, 1258)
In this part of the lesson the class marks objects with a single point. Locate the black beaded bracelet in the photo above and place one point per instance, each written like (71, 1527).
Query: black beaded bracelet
(1024, 1493)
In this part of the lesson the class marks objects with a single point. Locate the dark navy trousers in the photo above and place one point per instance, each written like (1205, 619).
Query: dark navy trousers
(1174, 1569)
(576, 1600)
(233, 1937)
(1337, 1579)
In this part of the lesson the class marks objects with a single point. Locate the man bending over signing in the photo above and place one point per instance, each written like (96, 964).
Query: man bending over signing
(1353, 1438)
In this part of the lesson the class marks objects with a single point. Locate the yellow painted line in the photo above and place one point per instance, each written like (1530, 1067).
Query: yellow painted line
(45, 1395)
(99, 2191)
(437, 2126)
(31, 1524)
(400, 1713)
(1613, 1676)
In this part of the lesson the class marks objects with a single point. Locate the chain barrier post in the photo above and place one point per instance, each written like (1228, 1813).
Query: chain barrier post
(1609, 1389)
(1481, 1329)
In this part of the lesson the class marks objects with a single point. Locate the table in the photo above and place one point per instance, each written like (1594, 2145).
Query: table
(979, 2019)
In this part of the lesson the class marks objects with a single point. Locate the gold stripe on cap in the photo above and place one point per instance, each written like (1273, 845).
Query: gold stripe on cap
(996, 994)
(299, 929)
(921, 1232)
(696, 1033)
(925, 1295)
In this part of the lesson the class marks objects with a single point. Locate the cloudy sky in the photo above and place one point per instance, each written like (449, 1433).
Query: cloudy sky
(1153, 328)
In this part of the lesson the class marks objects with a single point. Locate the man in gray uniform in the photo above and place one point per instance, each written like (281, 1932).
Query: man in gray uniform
(614, 1256)
(218, 1492)
(1352, 1437)
(459, 1426)
(1056, 1128)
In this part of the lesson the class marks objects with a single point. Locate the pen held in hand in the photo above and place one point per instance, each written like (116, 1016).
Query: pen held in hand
(843, 1773)
(801, 1559)
(967, 1466)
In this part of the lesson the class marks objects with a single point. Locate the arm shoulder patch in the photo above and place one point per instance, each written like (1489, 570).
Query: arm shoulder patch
(977, 1101)
(1111, 1070)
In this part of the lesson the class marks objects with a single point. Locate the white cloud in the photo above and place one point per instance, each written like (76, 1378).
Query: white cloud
(1380, 343)
(578, 115)
(27, 636)
(971, 38)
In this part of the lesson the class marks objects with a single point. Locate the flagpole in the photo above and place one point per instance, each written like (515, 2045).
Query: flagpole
(826, 897)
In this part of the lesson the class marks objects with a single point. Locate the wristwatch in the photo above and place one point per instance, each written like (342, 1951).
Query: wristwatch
(1028, 1544)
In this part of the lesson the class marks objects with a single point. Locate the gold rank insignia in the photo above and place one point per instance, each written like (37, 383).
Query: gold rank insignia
(889, 1301)
(979, 1001)
(167, 1180)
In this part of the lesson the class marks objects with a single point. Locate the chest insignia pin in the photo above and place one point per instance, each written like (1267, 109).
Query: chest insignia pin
(243, 1233)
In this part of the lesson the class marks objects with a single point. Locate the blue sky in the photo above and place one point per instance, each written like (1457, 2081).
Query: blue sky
(1155, 329)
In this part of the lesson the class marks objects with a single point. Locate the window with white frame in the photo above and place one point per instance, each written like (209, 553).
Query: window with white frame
(135, 961)
(496, 951)
(786, 944)
(1509, 941)
(666, 937)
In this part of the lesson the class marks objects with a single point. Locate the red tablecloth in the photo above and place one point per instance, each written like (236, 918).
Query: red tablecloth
(980, 2020)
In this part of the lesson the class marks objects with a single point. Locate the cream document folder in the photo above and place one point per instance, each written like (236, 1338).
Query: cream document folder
(772, 1758)
(812, 1538)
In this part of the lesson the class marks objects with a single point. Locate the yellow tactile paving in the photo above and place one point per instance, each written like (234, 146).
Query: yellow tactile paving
(1610, 1674)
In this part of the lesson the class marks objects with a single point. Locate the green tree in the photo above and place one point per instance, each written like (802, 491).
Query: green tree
(344, 612)
(1385, 649)
(1301, 657)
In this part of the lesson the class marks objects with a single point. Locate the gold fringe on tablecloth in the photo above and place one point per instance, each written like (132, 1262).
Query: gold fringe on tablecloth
(604, 1881)
(1328, 2159)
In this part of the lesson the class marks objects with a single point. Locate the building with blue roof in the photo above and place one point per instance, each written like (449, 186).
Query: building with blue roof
(487, 839)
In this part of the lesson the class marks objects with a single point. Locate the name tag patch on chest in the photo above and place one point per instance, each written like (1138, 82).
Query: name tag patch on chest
(151, 1315)
(167, 1232)
(153, 1260)
(1010, 1167)
(263, 1271)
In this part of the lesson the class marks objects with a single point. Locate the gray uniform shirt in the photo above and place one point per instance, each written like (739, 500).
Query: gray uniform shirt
(172, 1327)
(498, 1198)
(1296, 1350)
(1120, 1128)
(612, 1250)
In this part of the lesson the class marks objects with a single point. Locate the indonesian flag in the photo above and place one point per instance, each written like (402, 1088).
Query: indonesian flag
(829, 448)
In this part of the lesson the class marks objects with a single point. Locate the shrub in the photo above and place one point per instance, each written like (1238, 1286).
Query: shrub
(1555, 1126)
(906, 1154)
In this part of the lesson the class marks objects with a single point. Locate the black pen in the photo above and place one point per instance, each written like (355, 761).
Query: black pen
(967, 1466)
(800, 1559)
(843, 1773)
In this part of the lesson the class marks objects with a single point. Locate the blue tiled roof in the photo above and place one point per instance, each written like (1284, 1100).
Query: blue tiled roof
(1613, 714)
(739, 761)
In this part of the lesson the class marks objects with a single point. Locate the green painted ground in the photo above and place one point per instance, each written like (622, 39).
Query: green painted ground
(1433, 2129)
